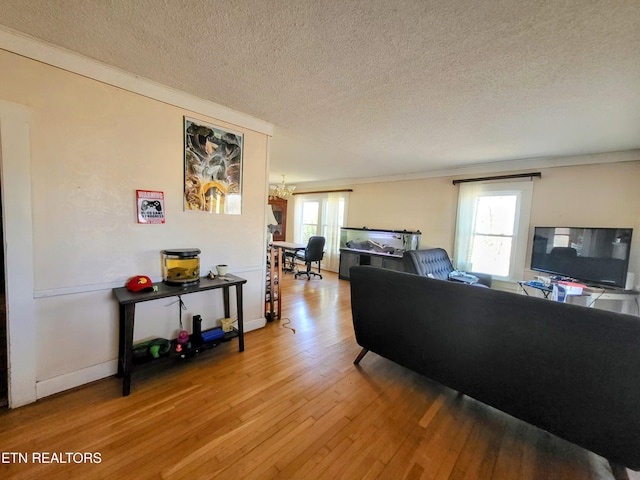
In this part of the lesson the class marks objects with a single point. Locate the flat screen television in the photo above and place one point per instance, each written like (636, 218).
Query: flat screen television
(597, 256)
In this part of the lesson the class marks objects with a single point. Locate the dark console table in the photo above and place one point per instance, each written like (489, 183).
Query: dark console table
(128, 301)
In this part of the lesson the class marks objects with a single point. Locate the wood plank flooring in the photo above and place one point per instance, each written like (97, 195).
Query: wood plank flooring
(292, 406)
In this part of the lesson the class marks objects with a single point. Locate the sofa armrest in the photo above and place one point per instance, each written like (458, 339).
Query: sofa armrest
(470, 278)
(483, 278)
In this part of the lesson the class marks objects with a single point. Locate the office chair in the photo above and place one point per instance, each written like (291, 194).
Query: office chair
(313, 253)
(563, 252)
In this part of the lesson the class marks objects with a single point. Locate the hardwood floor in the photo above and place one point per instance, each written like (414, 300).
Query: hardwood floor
(292, 406)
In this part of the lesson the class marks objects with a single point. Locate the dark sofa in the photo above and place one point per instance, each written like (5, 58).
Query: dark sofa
(570, 370)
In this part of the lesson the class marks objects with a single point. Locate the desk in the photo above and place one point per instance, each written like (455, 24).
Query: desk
(292, 248)
(128, 301)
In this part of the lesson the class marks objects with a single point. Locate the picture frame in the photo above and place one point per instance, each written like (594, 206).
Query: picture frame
(213, 164)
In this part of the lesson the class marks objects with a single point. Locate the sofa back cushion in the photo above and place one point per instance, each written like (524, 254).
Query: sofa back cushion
(433, 262)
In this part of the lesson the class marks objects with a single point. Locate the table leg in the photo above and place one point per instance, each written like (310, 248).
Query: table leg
(225, 299)
(121, 343)
(127, 314)
(240, 317)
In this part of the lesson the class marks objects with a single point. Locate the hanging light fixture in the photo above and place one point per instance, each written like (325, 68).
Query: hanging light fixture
(283, 190)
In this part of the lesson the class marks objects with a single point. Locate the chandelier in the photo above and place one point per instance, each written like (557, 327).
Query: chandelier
(283, 190)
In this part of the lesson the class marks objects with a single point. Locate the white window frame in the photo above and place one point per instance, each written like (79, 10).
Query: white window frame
(467, 201)
(299, 205)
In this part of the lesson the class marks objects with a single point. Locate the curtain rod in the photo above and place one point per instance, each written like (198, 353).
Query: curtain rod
(500, 177)
(324, 191)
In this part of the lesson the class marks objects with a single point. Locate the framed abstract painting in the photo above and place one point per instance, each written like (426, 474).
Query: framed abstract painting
(212, 168)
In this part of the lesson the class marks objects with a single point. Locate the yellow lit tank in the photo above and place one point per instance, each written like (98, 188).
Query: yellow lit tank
(181, 266)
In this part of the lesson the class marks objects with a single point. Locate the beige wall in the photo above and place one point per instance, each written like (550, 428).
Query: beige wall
(427, 205)
(91, 146)
(604, 195)
(600, 195)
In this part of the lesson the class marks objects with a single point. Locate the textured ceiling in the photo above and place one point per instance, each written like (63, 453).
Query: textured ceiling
(369, 88)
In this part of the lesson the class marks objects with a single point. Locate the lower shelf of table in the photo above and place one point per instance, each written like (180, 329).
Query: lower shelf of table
(186, 353)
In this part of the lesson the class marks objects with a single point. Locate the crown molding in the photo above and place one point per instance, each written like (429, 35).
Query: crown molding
(26, 46)
(485, 168)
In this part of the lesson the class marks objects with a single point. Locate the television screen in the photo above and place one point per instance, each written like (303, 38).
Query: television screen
(591, 255)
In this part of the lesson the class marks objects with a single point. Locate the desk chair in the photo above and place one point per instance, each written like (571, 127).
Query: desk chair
(313, 253)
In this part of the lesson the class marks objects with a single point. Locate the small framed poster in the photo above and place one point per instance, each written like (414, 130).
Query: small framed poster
(150, 206)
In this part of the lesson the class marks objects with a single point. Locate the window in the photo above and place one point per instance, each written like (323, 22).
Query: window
(492, 228)
(321, 214)
(310, 220)
(561, 237)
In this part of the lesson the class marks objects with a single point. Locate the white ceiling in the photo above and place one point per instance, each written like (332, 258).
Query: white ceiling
(378, 88)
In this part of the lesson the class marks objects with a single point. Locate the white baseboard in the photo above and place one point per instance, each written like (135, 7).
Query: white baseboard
(70, 380)
(58, 384)
(254, 324)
